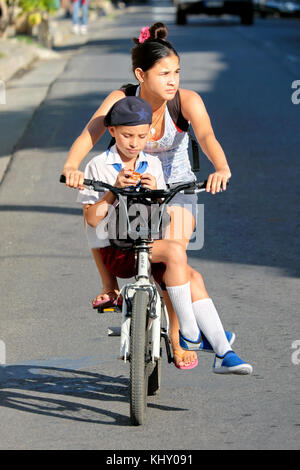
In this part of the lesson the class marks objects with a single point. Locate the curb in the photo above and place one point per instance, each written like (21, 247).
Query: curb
(20, 106)
(20, 56)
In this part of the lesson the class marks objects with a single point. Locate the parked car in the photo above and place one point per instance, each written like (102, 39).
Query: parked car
(266, 7)
(242, 8)
(288, 8)
(284, 8)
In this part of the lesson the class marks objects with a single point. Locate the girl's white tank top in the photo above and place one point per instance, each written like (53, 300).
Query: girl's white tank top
(172, 150)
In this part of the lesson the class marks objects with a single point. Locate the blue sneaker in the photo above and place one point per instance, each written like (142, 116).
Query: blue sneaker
(202, 344)
(188, 344)
(230, 363)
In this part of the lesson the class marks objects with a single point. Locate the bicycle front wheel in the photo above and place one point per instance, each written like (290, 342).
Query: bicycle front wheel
(139, 358)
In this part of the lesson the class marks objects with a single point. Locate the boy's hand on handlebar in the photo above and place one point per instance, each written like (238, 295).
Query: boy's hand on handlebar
(74, 178)
(148, 181)
(217, 181)
(125, 178)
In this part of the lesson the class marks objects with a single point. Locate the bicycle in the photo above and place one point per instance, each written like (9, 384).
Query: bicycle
(145, 322)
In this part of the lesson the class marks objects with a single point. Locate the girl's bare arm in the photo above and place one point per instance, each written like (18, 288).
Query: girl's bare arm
(85, 142)
(193, 109)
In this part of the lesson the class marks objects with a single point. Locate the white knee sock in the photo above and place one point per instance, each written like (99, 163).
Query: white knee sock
(181, 299)
(209, 322)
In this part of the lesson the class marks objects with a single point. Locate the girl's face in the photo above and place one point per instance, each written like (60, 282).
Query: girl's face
(162, 80)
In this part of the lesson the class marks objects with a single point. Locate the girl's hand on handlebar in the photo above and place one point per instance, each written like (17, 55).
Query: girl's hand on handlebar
(148, 181)
(125, 178)
(74, 178)
(217, 181)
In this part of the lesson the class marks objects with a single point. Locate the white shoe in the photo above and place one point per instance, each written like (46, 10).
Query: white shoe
(75, 29)
(83, 29)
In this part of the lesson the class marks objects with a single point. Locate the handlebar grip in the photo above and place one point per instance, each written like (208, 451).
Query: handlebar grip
(201, 185)
(62, 179)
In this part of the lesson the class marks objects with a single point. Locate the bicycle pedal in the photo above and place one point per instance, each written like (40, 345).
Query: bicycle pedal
(114, 331)
(109, 309)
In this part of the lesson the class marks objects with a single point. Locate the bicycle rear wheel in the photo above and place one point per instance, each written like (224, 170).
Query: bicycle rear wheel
(139, 359)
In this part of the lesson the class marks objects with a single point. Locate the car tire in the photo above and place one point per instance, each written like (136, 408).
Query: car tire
(181, 18)
(247, 17)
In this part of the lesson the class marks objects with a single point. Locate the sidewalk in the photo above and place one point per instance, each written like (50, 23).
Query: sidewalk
(17, 54)
(26, 72)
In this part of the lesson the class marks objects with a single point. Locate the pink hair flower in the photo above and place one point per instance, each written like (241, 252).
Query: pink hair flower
(144, 34)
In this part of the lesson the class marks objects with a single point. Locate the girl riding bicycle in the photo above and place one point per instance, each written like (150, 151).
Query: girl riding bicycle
(129, 122)
(155, 64)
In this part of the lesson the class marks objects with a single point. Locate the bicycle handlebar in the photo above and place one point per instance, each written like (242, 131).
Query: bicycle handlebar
(192, 187)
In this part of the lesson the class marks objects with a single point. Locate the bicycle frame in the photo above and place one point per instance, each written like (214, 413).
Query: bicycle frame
(157, 312)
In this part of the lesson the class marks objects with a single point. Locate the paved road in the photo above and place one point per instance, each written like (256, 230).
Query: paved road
(62, 387)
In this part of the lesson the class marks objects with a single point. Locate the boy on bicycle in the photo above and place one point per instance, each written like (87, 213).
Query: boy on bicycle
(129, 123)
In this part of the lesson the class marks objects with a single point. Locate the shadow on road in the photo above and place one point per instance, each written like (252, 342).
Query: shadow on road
(63, 393)
(41, 209)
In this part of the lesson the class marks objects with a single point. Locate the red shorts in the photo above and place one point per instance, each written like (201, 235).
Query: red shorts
(121, 263)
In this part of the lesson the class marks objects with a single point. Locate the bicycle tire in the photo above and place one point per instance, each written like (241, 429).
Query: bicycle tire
(138, 358)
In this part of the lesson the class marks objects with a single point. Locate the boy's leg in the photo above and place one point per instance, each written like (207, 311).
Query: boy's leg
(109, 282)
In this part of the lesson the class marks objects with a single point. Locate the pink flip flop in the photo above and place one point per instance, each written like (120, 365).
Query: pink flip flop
(181, 355)
(108, 302)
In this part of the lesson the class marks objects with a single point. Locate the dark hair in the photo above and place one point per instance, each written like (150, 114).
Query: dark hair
(144, 55)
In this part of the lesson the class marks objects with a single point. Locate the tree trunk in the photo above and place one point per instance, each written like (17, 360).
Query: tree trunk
(4, 17)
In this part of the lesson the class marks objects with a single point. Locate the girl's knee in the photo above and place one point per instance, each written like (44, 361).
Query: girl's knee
(176, 253)
(195, 277)
(198, 289)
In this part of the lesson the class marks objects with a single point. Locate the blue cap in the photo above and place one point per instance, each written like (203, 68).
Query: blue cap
(129, 111)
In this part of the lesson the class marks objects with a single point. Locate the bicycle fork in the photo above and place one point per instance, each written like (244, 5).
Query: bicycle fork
(154, 318)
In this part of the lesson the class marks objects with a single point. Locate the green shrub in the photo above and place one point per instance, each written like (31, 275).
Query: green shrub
(41, 5)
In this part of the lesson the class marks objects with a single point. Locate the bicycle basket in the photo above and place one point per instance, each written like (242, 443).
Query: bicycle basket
(136, 219)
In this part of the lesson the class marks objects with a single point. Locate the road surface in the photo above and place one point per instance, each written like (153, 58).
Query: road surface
(62, 386)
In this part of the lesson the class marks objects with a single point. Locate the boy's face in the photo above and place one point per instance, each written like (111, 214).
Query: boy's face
(130, 140)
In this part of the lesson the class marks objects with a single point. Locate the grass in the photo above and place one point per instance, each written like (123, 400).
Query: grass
(24, 38)
(29, 40)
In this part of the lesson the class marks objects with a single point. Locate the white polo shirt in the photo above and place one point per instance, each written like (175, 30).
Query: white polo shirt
(105, 167)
